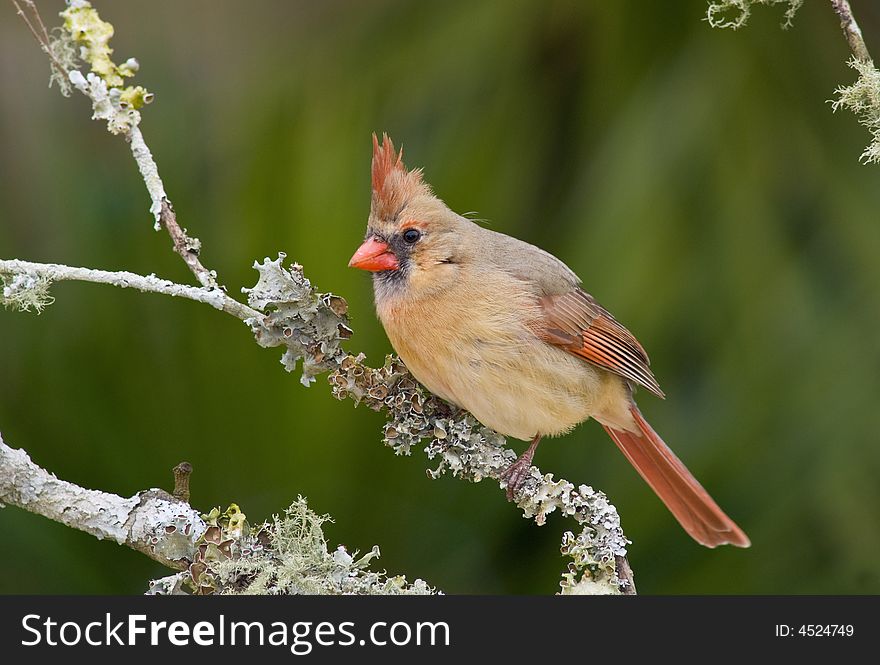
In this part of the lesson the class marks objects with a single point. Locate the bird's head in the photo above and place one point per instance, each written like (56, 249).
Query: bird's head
(412, 238)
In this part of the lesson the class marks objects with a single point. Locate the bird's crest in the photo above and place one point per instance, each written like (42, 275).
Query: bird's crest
(393, 185)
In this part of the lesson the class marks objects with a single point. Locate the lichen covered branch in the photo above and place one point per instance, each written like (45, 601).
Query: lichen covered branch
(26, 286)
(215, 553)
(288, 555)
(152, 522)
(458, 444)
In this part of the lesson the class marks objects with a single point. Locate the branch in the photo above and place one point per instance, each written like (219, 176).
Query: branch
(26, 285)
(152, 522)
(851, 30)
(215, 553)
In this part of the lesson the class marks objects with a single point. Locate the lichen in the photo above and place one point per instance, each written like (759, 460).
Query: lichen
(105, 83)
(26, 292)
(863, 99)
(85, 27)
(62, 48)
(134, 97)
(286, 555)
(106, 103)
(734, 14)
(309, 324)
(172, 585)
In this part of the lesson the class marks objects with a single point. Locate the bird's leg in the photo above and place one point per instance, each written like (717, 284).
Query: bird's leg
(516, 473)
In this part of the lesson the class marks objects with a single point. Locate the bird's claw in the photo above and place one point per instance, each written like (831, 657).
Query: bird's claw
(515, 475)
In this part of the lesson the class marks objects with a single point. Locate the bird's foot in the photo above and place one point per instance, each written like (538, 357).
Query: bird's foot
(515, 475)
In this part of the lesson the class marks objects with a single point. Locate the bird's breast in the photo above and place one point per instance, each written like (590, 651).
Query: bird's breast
(477, 351)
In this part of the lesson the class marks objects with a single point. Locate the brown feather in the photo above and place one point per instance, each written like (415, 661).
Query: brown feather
(580, 325)
(686, 499)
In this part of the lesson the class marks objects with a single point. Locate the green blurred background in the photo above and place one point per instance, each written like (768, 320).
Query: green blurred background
(696, 179)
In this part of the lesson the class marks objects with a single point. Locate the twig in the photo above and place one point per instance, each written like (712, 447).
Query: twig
(188, 248)
(625, 573)
(54, 272)
(851, 30)
(42, 39)
(182, 473)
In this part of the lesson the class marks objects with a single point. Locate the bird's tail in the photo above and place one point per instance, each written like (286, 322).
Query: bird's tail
(677, 488)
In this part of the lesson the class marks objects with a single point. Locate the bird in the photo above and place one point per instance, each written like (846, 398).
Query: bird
(504, 330)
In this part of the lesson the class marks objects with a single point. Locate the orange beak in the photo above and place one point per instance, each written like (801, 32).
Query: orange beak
(374, 256)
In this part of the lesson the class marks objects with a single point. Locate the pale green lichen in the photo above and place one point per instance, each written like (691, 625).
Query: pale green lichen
(284, 556)
(735, 14)
(26, 292)
(289, 555)
(863, 99)
(63, 50)
(86, 29)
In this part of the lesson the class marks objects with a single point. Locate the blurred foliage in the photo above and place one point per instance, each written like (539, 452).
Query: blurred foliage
(695, 179)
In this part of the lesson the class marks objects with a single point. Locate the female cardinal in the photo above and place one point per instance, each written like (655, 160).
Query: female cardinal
(503, 329)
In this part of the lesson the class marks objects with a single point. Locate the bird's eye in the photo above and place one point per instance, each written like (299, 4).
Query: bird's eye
(411, 235)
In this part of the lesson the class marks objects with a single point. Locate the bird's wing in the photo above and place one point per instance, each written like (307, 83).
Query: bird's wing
(575, 322)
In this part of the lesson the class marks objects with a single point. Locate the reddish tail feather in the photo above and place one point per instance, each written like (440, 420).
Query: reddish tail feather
(691, 505)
